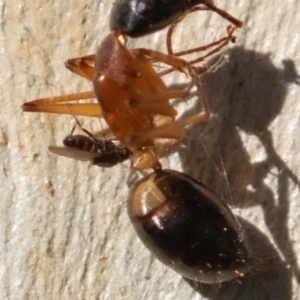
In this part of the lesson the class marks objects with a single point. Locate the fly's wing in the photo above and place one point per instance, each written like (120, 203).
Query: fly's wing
(74, 153)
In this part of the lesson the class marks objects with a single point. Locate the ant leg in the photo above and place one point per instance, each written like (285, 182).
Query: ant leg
(171, 60)
(166, 128)
(87, 132)
(174, 130)
(209, 5)
(172, 27)
(219, 45)
(155, 103)
(61, 105)
(159, 103)
(170, 130)
(224, 14)
(82, 66)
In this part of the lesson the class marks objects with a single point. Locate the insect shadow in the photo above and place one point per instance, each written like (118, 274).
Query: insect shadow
(247, 94)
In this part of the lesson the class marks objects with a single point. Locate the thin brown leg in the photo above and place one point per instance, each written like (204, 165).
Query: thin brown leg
(224, 14)
(219, 45)
(77, 123)
(222, 43)
(172, 27)
(209, 5)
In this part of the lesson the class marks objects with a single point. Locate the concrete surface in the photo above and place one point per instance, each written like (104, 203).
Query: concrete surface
(64, 229)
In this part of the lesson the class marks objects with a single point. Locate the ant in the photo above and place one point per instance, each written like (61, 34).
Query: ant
(181, 221)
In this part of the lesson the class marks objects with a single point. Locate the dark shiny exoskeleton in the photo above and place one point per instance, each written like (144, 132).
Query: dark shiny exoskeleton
(188, 228)
(101, 152)
(140, 17)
